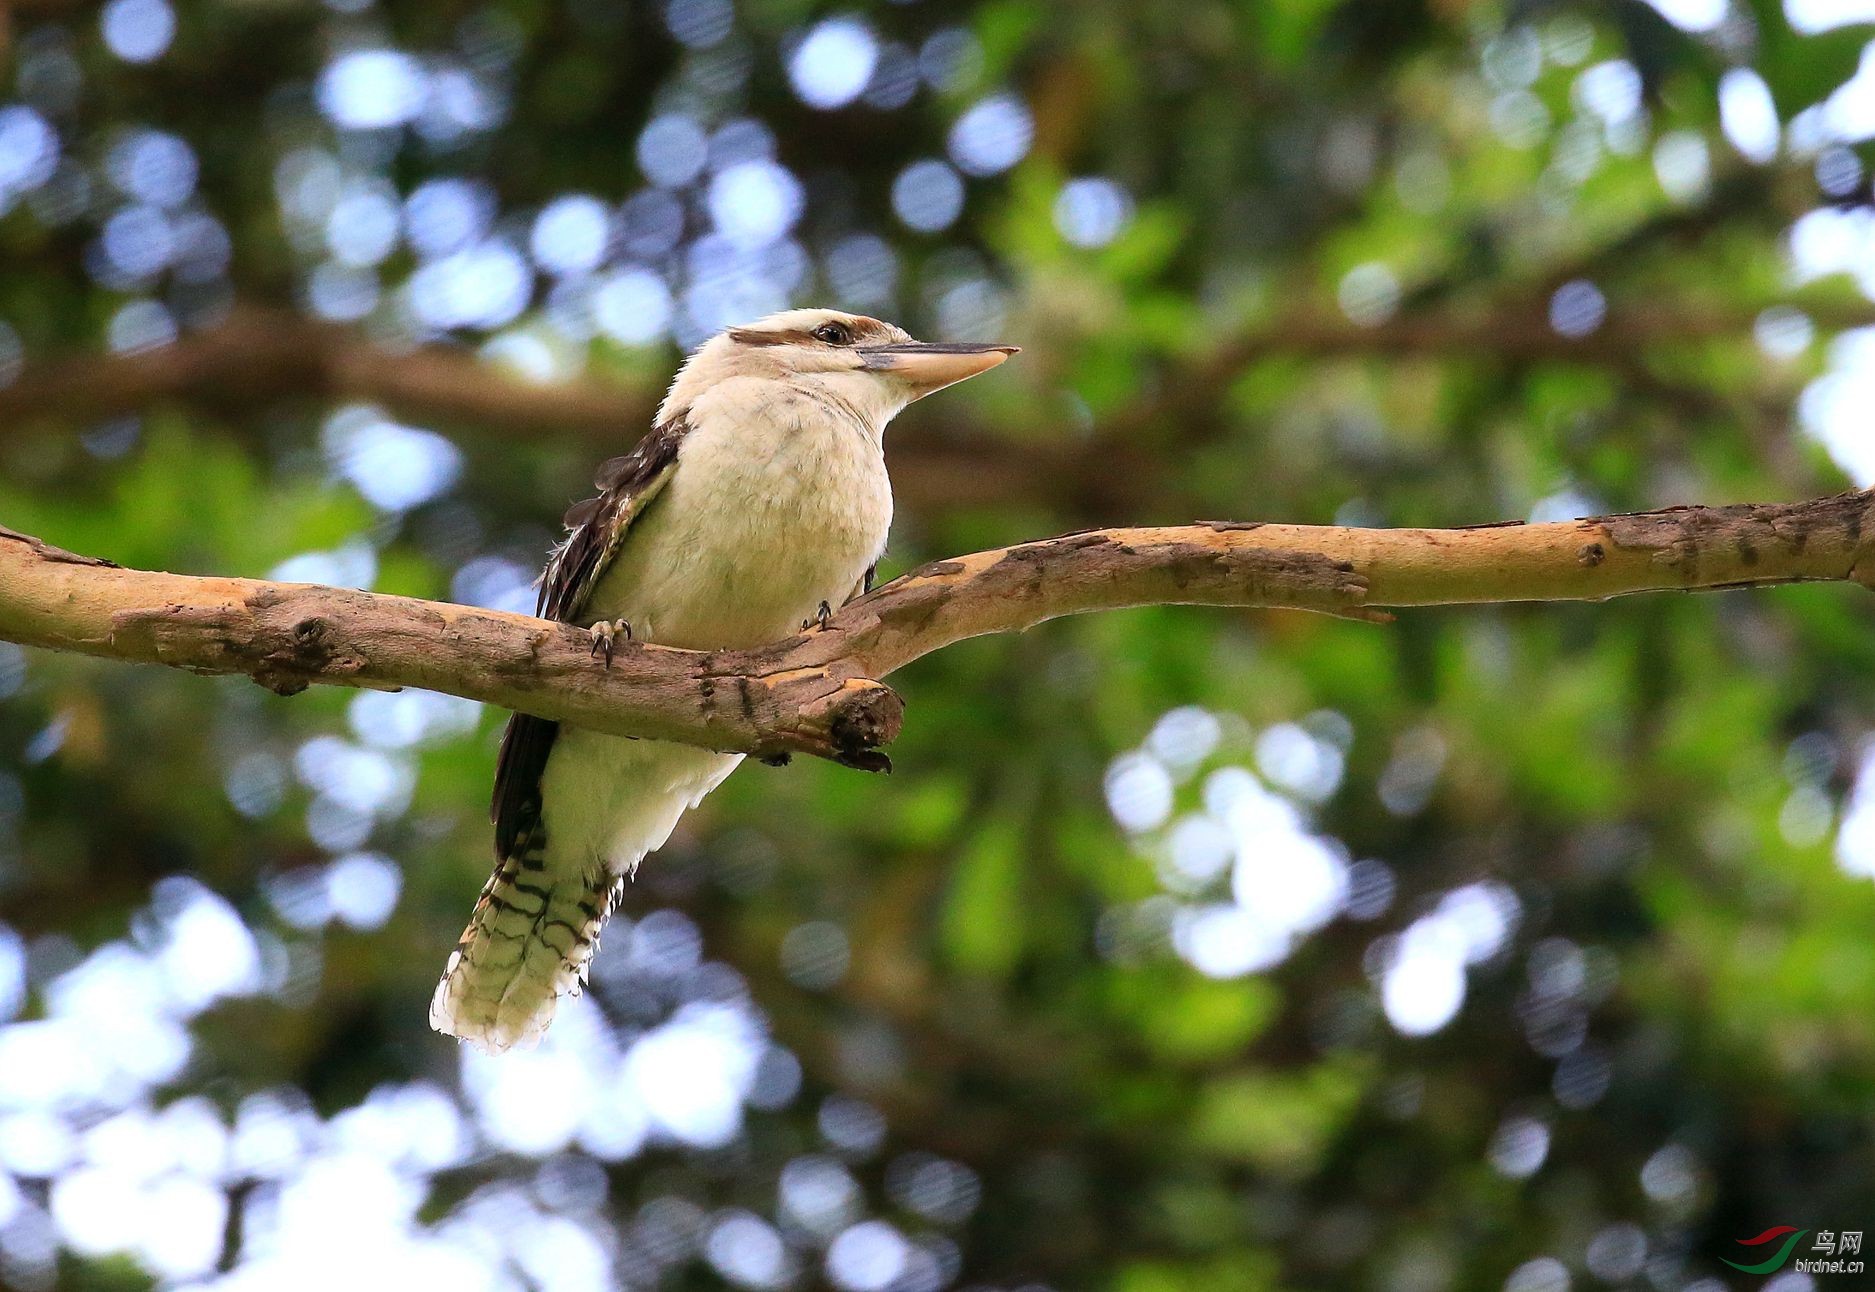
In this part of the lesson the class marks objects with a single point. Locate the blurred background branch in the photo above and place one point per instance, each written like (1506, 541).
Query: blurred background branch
(261, 357)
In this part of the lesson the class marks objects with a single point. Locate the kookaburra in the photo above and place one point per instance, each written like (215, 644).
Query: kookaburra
(758, 500)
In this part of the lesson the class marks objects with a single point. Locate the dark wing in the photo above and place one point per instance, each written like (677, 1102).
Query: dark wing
(596, 528)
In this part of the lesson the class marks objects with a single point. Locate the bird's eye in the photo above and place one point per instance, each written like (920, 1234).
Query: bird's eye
(834, 334)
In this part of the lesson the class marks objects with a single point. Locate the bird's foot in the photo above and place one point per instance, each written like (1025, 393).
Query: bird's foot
(822, 617)
(604, 634)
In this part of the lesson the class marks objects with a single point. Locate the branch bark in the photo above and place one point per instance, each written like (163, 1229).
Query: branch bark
(820, 693)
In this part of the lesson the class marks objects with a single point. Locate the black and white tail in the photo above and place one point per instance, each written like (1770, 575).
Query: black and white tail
(528, 944)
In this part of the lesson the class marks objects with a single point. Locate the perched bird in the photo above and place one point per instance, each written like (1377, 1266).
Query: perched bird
(758, 501)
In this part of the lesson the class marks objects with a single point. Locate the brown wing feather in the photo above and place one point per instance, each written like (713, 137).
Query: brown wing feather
(596, 527)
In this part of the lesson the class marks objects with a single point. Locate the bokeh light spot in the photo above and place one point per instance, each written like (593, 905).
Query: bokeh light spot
(137, 31)
(992, 136)
(370, 89)
(833, 63)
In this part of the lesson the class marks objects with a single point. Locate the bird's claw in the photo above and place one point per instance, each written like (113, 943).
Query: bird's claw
(604, 633)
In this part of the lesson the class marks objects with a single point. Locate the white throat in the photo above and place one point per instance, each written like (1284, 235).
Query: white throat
(858, 398)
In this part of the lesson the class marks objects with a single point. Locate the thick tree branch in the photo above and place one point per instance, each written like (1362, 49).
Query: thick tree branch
(819, 693)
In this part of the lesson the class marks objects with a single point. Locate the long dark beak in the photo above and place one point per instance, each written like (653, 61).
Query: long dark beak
(926, 366)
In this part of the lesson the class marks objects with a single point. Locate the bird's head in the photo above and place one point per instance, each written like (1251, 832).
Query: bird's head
(869, 368)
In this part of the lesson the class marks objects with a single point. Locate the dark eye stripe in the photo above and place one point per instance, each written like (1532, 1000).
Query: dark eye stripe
(748, 336)
(859, 329)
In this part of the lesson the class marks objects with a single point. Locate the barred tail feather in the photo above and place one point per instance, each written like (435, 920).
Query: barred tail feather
(537, 924)
(528, 944)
